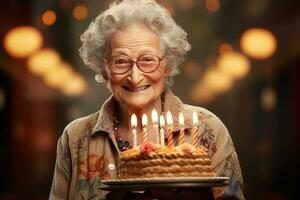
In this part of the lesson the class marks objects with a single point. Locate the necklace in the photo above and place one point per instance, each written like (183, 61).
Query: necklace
(124, 144)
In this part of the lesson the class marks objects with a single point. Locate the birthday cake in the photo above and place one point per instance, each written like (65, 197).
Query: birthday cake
(150, 160)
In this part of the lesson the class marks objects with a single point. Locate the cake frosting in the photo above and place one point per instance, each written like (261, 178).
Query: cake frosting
(150, 160)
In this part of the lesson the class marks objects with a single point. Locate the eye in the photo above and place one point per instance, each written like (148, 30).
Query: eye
(120, 61)
(147, 58)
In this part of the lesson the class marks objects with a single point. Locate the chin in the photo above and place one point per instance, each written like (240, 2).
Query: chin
(136, 104)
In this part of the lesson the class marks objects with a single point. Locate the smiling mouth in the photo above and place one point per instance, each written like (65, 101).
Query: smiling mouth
(136, 89)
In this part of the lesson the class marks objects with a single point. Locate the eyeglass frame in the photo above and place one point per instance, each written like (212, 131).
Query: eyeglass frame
(135, 62)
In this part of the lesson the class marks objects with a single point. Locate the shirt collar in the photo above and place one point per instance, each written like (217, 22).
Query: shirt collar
(106, 117)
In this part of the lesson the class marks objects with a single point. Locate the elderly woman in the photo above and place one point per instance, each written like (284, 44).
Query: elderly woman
(135, 48)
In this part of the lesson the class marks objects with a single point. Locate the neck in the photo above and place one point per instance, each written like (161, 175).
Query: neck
(126, 112)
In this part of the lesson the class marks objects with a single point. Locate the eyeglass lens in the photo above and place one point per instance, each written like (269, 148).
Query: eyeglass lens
(122, 63)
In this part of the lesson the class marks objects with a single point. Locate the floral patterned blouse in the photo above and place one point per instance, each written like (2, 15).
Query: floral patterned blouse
(87, 151)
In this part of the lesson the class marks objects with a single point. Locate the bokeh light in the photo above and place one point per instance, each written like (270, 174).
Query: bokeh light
(192, 69)
(217, 81)
(80, 12)
(74, 86)
(43, 61)
(49, 17)
(22, 41)
(224, 48)
(212, 5)
(200, 93)
(43, 140)
(268, 98)
(59, 75)
(234, 64)
(258, 43)
(185, 4)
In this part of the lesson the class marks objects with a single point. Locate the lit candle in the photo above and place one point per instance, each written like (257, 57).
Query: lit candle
(195, 129)
(170, 129)
(144, 124)
(181, 133)
(161, 131)
(154, 117)
(133, 125)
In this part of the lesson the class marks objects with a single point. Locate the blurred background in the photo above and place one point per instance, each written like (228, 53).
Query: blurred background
(244, 66)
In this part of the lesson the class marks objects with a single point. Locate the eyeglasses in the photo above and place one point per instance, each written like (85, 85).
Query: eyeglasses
(121, 64)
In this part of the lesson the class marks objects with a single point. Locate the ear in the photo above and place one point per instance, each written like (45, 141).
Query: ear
(104, 74)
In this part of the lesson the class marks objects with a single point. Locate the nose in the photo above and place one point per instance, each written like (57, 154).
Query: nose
(135, 76)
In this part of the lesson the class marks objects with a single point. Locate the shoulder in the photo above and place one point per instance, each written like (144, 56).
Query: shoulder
(80, 127)
(203, 115)
(213, 133)
(208, 121)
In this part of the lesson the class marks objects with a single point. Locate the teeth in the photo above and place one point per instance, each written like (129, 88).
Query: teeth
(138, 89)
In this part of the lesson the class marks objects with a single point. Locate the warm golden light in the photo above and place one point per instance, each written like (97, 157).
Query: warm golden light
(20, 42)
(201, 93)
(258, 43)
(49, 17)
(212, 5)
(192, 69)
(75, 86)
(181, 119)
(216, 81)
(224, 48)
(195, 118)
(43, 140)
(42, 61)
(80, 12)
(268, 99)
(186, 4)
(234, 64)
(58, 76)
(133, 121)
(144, 120)
(154, 116)
(169, 118)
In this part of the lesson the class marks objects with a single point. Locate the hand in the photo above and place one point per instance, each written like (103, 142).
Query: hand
(183, 194)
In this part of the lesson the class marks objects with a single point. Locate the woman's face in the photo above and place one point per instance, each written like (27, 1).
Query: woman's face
(137, 89)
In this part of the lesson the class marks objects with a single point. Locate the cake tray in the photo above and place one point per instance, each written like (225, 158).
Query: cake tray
(148, 183)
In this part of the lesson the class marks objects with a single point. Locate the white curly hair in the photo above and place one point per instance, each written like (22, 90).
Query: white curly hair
(96, 38)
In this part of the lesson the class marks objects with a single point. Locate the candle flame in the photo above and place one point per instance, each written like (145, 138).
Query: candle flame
(195, 119)
(181, 119)
(169, 118)
(144, 120)
(154, 116)
(133, 121)
(161, 121)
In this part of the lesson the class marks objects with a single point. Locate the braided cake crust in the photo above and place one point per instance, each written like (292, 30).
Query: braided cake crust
(149, 161)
